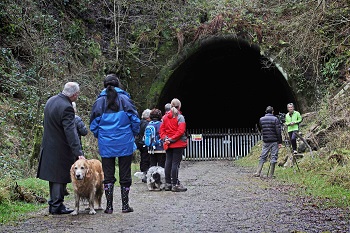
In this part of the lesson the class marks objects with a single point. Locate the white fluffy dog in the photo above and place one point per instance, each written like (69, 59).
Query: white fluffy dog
(155, 178)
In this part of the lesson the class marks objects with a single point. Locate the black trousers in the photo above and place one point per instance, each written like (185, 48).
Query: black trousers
(158, 159)
(145, 159)
(172, 164)
(124, 164)
(56, 196)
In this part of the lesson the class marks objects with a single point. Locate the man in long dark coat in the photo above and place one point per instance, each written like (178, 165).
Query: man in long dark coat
(60, 146)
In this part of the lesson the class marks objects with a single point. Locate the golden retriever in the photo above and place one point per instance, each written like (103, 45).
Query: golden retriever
(87, 180)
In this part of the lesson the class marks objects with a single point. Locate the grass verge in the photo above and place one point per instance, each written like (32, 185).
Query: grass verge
(13, 210)
(310, 180)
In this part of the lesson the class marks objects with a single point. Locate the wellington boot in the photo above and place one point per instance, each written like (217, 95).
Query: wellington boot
(258, 171)
(125, 200)
(272, 171)
(109, 197)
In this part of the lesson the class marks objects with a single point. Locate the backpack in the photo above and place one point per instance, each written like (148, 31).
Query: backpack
(140, 137)
(151, 136)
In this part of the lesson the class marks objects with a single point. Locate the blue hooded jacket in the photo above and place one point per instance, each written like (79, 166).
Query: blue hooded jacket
(115, 131)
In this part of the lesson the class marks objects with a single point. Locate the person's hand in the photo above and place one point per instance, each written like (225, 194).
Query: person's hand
(279, 145)
(292, 123)
(167, 141)
(81, 157)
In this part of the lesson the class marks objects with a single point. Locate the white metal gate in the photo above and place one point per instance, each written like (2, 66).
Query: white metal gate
(213, 144)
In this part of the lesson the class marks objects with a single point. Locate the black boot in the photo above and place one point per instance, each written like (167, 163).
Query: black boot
(125, 200)
(109, 197)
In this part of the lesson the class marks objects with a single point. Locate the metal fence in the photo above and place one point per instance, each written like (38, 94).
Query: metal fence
(214, 144)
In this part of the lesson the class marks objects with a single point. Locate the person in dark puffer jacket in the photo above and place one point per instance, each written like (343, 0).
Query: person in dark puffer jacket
(272, 140)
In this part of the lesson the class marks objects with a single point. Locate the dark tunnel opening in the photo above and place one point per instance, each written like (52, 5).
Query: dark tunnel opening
(226, 84)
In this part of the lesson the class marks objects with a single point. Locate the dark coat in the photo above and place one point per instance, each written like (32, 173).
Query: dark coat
(60, 146)
(270, 128)
(81, 128)
(139, 138)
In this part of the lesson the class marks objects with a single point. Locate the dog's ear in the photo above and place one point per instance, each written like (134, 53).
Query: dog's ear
(88, 172)
(88, 169)
(72, 173)
(156, 177)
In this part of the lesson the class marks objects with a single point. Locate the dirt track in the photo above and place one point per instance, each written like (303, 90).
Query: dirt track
(221, 197)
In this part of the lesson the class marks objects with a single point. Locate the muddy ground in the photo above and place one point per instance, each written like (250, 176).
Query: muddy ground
(221, 197)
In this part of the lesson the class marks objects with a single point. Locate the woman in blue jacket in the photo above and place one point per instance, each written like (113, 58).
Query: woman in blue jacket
(115, 122)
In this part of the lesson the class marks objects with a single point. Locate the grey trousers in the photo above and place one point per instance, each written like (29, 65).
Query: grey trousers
(56, 196)
(269, 147)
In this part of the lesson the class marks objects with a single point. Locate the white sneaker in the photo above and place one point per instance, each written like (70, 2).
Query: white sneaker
(295, 152)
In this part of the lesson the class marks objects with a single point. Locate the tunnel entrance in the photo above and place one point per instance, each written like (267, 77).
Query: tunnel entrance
(226, 84)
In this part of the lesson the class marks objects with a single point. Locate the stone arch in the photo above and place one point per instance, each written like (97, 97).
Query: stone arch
(223, 82)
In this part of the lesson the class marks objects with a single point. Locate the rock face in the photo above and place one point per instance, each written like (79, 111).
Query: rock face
(221, 197)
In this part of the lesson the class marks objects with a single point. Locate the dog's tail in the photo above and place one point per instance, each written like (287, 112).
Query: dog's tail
(139, 175)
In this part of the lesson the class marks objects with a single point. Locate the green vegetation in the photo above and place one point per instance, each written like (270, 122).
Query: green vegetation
(323, 174)
(306, 182)
(16, 211)
(45, 43)
(13, 209)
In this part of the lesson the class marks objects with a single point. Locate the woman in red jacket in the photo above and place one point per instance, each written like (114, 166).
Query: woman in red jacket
(173, 133)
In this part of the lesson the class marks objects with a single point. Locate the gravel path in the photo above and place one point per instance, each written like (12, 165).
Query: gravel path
(221, 197)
